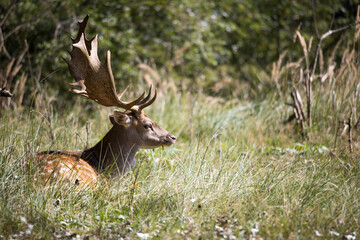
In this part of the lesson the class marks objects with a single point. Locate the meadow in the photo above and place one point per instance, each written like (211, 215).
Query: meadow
(235, 172)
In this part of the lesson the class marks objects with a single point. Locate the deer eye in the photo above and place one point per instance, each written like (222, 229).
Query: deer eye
(148, 126)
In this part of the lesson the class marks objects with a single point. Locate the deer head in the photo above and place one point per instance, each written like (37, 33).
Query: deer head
(141, 130)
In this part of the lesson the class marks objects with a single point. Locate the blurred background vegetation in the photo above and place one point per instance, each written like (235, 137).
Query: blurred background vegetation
(224, 48)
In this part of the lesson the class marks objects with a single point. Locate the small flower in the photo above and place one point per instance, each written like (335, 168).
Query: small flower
(218, 228)
(350, 237)
(254, 231)
(318, 234)
(192, 200)
(333, 233)
(143, 235)
(23, 219)
(30, 228)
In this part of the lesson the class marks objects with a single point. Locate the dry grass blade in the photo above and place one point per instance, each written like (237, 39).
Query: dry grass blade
(11, 68)
(19, 89)
(298, 109)
(321, 61)
(304, 47)
(151, 76)
(310, 43)
(178, 56)
(277, 71)
(333, 52)
(329, 73)
(357, 27)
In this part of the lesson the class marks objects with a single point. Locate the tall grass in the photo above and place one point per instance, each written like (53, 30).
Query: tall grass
(235, 172)
(324, 89)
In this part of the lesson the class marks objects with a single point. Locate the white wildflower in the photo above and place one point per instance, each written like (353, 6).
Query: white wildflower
(23, 219)
(350, 237)
(143, 235)
(232, 237)
(318, 234)
(218, 228)
(254, 231)
(192, 200)
(30, 228)
(333, 233)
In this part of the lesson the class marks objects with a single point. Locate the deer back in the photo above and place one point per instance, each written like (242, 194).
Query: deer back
(65, 167)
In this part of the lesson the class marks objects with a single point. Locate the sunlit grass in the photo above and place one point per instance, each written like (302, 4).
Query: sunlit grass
(236, 171)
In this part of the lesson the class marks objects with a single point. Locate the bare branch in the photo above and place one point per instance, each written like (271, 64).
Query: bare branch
(2, 45)
(350, 131)
(325, 35)
(12, 4)
(298, 110)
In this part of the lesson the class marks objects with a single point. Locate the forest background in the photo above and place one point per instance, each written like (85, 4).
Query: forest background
(201, 43)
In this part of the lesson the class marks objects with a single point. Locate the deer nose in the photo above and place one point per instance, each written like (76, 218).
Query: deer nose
(172, 137)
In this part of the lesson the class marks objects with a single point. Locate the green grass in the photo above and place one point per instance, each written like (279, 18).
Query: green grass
(235, 172)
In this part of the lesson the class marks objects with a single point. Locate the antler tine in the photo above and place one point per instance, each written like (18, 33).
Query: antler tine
(124, 105)
(147, 97)
(128, 105)
(95, 79)
(148, 103)
(122, 93)
(82, 30)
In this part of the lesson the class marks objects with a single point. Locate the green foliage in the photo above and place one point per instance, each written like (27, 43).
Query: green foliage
(188, 38)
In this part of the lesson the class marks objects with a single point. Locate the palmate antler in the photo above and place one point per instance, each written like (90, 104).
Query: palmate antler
(95, 78)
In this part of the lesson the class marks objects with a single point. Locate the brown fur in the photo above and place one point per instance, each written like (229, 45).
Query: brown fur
(64, 166)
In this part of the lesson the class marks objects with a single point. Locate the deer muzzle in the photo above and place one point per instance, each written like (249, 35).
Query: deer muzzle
(169, 139)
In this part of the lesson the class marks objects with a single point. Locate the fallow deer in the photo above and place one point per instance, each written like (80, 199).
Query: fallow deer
(132, 129)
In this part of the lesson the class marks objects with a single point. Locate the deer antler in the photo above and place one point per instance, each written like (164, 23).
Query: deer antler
(95, 78)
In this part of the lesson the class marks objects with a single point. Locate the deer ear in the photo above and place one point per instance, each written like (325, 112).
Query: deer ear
(120, 118)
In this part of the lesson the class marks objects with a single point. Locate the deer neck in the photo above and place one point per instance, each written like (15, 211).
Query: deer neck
(114, 151)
